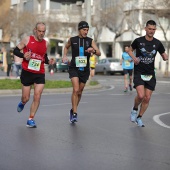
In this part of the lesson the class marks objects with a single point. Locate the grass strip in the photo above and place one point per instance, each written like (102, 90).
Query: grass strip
(50, 84)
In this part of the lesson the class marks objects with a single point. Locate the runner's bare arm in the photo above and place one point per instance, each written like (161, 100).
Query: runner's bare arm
(135, 59)
(94, 49)
(19, 47)
(23, 43)
(65, 51)
(46, 56)
(164, 56)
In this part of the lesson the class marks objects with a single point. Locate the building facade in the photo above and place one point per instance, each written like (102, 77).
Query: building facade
(113, 23)
(61, 18)
(135, 14)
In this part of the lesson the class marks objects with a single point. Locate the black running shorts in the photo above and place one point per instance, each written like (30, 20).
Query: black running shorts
(147, 84)
(128, 71)
(28, 78)
(82, 75)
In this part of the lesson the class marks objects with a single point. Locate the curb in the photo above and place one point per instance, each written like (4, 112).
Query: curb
(49, 91)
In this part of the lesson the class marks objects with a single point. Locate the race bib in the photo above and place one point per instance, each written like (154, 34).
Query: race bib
(127, 63)
(34, 64)
(81, 61)
(146, 77)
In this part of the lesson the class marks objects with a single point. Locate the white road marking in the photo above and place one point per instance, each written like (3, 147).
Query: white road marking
(158, 121)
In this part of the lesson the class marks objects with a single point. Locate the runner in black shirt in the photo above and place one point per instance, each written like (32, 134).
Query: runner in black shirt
(79, 69)
(144, 76)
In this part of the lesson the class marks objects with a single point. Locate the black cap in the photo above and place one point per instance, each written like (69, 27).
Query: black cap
(83, 24)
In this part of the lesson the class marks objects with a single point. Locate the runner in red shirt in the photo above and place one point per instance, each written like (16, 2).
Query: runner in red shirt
(33, 72)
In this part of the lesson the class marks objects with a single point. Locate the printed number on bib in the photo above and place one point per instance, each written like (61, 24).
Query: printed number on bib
(146, 77)
(127, 63)
(34, 64)
(81, 61)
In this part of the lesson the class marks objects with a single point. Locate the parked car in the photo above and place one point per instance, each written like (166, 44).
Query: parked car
(109, 66)
(61, 66)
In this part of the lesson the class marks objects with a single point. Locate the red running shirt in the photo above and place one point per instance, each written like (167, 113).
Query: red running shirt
(38, 50)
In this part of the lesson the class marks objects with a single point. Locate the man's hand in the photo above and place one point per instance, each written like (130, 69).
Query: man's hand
(136, 60)
(27, 55)
(164, 56)
(65, 59)
(90, 50)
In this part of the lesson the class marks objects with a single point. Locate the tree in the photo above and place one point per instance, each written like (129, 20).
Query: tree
(114, 18)
(21, 25)
(162, 16)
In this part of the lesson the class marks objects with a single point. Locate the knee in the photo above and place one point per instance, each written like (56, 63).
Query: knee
(146, 99)
(75, 91)
(37, 97)
(141, 97)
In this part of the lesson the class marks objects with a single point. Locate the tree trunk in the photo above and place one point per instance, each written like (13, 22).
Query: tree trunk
(166, 73)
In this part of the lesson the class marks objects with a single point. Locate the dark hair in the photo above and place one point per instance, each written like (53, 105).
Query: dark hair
(83, 24)
(151, 22)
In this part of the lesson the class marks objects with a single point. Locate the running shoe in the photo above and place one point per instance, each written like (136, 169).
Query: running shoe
(130, 87)
(139, 122)
(71, 115)
(31, 123)
(20, 107)
(74, 117)
(126, 89)
(133, 116)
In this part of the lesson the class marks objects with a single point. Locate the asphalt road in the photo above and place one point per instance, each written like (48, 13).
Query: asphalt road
(102, 139)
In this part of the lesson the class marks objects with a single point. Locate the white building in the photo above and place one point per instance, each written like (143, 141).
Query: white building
(61, 18)
(136, 12)
(118, 21)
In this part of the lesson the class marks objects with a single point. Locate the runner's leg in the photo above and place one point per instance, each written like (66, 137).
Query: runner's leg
(38, 89)
(25, 94)
(140, 95)
(145, 101)
(74, 96)
(125, 81)
(81, 88)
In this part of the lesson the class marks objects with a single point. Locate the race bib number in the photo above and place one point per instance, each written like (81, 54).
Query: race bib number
(34, 64)
(92, 62)
(127, 63)
(146, 77)
(81, 61)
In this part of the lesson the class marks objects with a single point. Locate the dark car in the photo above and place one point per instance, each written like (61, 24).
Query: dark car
(109, 66)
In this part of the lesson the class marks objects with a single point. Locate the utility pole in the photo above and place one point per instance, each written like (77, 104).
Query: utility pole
(88, 12)
(88, 17)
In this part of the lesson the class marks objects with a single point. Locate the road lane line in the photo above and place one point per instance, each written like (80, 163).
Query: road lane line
(158, 121)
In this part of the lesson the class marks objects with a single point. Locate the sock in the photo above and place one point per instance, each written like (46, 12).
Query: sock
(31, 117)
(135, 108)
(23, 103)
(139, 116)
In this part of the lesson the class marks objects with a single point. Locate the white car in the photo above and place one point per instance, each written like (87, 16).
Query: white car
(109, 66)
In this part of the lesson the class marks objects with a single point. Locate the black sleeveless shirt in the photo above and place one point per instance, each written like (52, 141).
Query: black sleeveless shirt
(77, 42)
